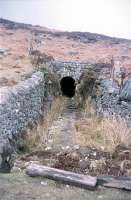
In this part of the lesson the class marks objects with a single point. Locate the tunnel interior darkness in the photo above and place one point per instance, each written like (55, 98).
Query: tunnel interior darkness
(67, 86)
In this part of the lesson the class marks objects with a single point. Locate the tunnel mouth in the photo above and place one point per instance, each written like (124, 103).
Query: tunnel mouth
(67, 84)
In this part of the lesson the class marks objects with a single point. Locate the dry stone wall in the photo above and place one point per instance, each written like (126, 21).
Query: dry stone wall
(73, 69)
(21, 107)
(21, 104)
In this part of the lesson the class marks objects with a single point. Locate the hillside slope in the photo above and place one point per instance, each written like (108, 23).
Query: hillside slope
(16, 38)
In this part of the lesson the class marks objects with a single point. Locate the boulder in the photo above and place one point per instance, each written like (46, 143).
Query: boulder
(4, 52)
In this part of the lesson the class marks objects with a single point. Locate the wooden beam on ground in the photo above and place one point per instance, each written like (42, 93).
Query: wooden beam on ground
(67, 177)
(115, 182)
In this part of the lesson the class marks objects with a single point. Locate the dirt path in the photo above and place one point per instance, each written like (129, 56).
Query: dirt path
(61, 134)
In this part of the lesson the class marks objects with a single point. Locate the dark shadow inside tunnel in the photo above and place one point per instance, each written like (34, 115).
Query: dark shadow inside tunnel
(67, 86)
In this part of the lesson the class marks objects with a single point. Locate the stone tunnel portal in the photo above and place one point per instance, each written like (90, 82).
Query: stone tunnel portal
(67, 84)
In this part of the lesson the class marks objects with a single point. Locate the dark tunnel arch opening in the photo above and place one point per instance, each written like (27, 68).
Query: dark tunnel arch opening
(68, 86)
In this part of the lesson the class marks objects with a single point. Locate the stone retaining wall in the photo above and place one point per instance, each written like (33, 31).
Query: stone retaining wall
(73, 69)
(22, 106)
(114, 100)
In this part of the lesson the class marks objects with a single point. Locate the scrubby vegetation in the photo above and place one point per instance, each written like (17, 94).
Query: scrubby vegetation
(104, 133)
(36, 138)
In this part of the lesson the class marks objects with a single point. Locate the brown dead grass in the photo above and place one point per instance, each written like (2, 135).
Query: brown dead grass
(103, 133)
(17, 63)
(37, 137)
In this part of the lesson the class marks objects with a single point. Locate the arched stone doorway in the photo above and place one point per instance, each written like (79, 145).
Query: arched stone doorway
(67, 84)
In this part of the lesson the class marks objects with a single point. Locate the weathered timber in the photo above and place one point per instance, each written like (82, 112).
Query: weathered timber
(67, 177)
(115, 182)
